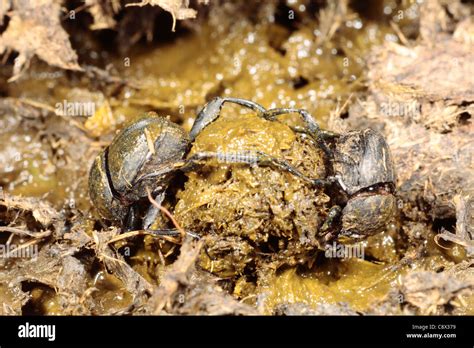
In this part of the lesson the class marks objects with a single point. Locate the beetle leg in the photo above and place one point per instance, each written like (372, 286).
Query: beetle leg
(212, 109)
(325, 134)
(131, 219)
(333, 214)
(313, 128)
(253, 158)
(329, 135)
(171, 232)
(330, 223)
(153, 211)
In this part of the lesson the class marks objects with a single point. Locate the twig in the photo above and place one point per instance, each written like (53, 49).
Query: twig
(399, 33)
(22, 246)
(167, 213)
(94, 72)
(37, 104)
(341, 109)
(24, 233)
(138, 233)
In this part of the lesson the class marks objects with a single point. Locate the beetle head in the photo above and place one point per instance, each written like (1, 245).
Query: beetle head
(368, 214)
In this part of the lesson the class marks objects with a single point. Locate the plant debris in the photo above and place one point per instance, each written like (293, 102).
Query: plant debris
(179, 9)
(39, 27)
(254, 248)
(431, 293)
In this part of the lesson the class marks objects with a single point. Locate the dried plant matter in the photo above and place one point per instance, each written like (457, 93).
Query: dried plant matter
(186, 289)
(35, 29)
(103, 13)
(179, 9)
(42, 211)
(431, 292)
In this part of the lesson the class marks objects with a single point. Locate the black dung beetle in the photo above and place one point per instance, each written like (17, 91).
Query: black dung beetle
(147, 153)
(363, 167)
(120, 176)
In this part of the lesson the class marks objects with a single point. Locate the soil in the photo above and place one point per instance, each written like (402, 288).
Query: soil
(72, 78)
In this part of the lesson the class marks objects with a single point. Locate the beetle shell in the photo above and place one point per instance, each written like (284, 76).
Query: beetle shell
(100, 191)
(117, 177)
(362, 159)
(368, 214)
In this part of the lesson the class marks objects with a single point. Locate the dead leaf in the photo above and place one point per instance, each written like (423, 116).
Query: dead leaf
(133, 282)
(430, 291)
(42, 211)
(35, 29)
(176, 276)
(103, 13)
(178, 8)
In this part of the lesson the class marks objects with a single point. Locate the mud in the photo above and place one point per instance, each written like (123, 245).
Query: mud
(394, 68)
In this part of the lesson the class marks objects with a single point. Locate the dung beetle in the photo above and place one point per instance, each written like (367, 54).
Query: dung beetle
(360, 166)
(148, 153)
(363, 168)
(118, 177)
